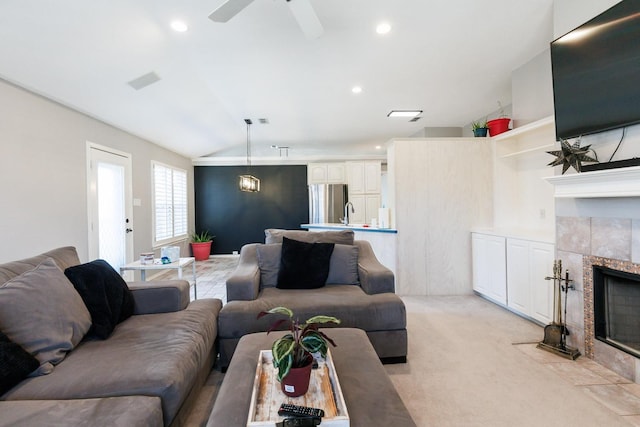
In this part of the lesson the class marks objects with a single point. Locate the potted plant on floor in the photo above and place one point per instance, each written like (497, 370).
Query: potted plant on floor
(292, 354)
(201, 245)
(479, 128)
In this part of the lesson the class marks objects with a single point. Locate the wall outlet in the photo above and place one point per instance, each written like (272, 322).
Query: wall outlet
(543, 213)
(234, 253)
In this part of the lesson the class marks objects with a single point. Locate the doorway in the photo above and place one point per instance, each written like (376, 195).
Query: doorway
(110, 205)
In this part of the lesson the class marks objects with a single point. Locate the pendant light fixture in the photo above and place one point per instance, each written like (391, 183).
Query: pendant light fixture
(249, 182)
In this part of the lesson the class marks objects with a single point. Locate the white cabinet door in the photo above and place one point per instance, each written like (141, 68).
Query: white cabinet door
(489, 266)
(360, 208)
(541, 257)
(316, 173)
(518, 286)
(336, 173)
(372, 176)
(372, 203)
(479, 264)
(355, 177)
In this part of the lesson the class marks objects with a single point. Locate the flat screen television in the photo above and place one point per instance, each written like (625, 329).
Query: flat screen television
(596, 73)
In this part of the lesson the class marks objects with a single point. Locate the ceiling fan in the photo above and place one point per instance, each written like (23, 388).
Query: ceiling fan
(301, 9)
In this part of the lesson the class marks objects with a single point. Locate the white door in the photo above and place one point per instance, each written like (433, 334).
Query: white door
(110, 205)
(518, 286)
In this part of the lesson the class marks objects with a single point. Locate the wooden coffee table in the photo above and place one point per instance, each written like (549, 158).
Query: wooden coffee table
(369, 394)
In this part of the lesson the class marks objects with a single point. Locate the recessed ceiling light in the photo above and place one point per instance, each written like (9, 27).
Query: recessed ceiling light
(356, 89)
(383, 28)
(404, 113)
(378, 147)
(179, 26)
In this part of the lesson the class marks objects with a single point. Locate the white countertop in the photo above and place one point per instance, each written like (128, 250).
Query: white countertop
(355, 227)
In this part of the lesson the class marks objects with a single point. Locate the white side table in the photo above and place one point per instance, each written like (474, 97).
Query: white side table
(157, 265)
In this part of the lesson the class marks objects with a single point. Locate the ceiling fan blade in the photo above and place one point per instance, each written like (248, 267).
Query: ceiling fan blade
(228, 10)
(307, 19)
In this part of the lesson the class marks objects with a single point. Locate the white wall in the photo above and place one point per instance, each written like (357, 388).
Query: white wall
(439, 190)
(43, 175)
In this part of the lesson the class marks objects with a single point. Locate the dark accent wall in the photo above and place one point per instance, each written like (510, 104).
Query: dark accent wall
(236, 217)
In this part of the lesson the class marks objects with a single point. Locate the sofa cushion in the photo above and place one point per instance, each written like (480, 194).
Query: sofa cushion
(123, 411)
(343, 265)
(303, 265)
(275, 235)
(269, 263)
(42, 312)
(104, 292)
(15, 363)
(64, 257)
(151, 355)
(343, 268)
(350, 304)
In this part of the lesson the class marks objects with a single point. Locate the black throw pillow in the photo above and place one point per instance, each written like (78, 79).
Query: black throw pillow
(303, 265)
(104, 292)
(15, 363)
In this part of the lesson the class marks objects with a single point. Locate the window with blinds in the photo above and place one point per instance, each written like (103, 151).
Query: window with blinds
(170, 203)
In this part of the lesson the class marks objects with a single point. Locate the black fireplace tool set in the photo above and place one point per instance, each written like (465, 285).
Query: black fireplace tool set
(555, 333)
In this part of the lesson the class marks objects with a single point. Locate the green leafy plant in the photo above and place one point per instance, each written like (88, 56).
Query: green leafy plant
(293, 349)
(201, 237)
(479, 125)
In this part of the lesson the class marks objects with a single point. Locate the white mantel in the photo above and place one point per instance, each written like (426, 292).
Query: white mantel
(622, 182)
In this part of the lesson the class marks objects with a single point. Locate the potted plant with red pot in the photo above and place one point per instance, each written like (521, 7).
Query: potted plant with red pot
(293, 353)
(201, 245)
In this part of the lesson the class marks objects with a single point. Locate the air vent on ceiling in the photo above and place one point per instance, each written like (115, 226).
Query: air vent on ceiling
(264, 121)
(415, 119)
(144, 80)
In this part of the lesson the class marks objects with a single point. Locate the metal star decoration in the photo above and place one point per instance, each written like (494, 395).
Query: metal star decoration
(572, 155)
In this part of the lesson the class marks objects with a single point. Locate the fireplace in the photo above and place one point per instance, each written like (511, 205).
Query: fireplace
(616, 304)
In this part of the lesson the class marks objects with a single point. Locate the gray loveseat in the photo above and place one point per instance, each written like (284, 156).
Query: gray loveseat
(147, 372)
(359, 291)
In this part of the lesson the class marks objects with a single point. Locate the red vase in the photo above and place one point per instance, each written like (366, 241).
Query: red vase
(498, 126)
(201, 251)
(296, 383)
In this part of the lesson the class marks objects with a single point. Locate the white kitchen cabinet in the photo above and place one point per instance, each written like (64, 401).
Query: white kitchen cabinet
(372, 177)
(326, 173)
(355, 177)
(489, 266)
(363, 185)
(372, 204)
(528, 263)
(541, 260)
(365, 207)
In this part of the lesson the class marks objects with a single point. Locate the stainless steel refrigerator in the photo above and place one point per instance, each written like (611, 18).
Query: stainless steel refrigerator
(326, 203)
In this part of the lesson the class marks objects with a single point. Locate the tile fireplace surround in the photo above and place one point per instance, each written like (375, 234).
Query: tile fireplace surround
(583, 241)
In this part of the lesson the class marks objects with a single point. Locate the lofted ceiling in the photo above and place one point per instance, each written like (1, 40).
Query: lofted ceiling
(450, 58)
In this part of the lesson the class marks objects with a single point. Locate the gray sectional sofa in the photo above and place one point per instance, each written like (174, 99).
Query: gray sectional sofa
(359, 291)
(147, 372)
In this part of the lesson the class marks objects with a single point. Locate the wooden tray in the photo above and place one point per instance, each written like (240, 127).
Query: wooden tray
(324, 393)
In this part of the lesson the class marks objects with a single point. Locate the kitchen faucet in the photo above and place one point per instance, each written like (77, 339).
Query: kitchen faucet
(345, 220)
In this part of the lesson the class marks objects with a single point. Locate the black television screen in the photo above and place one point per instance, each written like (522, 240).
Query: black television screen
(596, 73)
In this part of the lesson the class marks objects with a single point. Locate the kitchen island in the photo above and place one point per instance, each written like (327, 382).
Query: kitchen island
(383, 240)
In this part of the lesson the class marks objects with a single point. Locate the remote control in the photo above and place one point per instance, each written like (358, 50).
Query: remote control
(287, 409)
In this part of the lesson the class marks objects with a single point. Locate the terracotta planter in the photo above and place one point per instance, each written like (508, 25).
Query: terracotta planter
(498, 126)
(296, 383)
(201, 250)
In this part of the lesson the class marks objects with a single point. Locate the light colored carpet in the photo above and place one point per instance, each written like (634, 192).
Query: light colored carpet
(472, 363)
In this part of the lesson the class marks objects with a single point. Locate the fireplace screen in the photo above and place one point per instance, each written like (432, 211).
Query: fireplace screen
(617, 308)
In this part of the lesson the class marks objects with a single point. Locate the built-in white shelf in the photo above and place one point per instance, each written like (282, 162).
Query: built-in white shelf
(532, 138)
(622, 182)
(526, 129)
